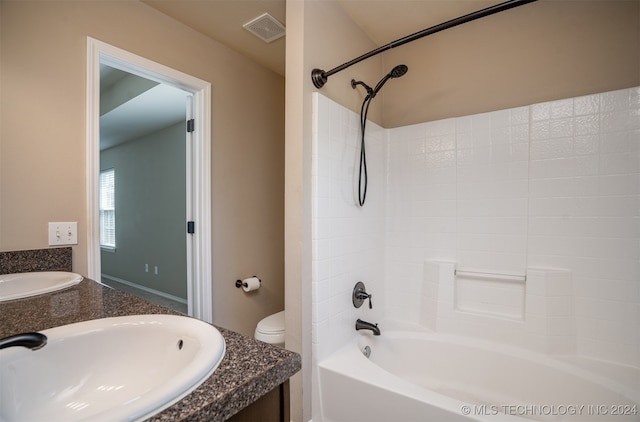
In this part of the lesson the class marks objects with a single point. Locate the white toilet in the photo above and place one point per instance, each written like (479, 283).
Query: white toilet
(271, 329)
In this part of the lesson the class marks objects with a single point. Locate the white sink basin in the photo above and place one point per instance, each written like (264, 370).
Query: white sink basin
(112, 369)
(16, 286)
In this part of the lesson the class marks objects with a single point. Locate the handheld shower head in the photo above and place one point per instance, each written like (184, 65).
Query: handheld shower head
(396, 72)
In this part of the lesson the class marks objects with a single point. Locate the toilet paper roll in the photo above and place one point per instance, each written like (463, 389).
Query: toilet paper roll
(250, 284)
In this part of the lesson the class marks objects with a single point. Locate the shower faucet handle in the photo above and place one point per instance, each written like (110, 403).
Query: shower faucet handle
(360, 294)
(363, 296)
(370, 303)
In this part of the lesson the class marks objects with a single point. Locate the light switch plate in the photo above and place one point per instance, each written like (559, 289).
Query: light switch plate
(63, 233)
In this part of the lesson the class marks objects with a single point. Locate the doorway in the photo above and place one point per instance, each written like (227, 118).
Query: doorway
(198, 162)
(143, 135)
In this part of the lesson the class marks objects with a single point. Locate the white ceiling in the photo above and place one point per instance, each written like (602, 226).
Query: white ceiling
(383, 21)
(153, 109)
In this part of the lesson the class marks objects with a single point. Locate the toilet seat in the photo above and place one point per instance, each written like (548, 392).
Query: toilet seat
(271, 329)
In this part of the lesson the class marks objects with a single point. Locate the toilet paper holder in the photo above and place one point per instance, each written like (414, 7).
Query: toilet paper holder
(240, 283)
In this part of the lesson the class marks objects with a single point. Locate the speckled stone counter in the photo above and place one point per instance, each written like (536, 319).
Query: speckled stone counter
(50, 259)
(249, 369)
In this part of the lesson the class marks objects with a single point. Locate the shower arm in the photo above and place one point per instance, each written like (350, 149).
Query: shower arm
(319, 76)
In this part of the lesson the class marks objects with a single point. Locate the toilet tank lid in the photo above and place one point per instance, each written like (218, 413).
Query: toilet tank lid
(272, 324)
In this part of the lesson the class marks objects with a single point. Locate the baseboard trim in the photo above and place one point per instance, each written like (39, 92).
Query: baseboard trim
(146, 289)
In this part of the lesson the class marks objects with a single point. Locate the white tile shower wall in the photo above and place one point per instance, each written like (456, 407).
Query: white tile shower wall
(585, 213)
(552, 185)
(347, 239)
(457, 191)
(492, 188)
(550, 321)
(420, 210)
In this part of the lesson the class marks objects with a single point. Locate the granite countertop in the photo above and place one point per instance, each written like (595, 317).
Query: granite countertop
(249, 370)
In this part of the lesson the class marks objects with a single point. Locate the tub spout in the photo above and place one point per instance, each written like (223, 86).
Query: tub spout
(33, 341)
(364, 325)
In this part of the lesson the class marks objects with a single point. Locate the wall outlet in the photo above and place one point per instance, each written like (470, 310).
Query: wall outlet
(63, 233)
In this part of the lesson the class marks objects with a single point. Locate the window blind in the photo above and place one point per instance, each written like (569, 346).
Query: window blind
(107, 209)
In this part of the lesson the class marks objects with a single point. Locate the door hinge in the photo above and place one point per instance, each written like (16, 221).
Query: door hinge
(191, 125)
(191, 229)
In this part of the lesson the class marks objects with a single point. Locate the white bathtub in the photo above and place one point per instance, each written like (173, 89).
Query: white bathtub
(418, 376)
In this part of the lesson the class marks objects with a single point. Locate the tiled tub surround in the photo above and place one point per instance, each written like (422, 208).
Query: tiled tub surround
(542, 190)
(249, 369)
(535, 314)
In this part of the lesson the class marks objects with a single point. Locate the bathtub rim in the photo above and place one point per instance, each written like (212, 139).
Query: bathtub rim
(589, 365)
(349, 361)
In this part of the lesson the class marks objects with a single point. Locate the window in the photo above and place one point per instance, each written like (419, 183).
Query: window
(107, 209)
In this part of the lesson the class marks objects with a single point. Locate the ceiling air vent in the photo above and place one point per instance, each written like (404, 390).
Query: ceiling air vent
(265, 27)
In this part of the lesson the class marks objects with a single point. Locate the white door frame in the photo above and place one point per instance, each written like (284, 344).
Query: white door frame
(199, 285)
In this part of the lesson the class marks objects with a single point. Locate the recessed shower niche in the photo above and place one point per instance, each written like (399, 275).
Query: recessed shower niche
(533, 311)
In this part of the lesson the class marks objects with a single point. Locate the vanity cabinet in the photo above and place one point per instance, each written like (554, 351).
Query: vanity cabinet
(272, 407)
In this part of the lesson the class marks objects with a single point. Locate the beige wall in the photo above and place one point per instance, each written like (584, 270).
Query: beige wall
(42, 138)
(542, 51)
(553, 49)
